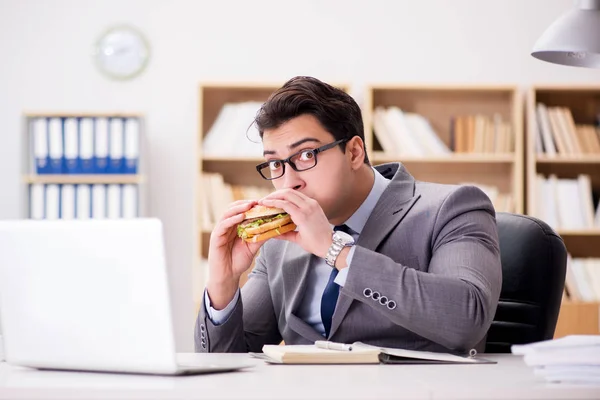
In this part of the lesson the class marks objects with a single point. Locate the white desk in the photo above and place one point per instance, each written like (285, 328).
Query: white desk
(509, 379)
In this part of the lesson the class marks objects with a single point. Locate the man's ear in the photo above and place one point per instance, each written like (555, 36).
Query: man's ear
(356, 151)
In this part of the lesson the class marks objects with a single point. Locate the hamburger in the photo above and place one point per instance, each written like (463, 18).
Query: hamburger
(264, 223)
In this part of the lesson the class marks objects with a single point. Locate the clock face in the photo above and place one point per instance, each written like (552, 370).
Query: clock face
(122, 52)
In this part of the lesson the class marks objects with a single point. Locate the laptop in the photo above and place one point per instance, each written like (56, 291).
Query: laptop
(91, 295)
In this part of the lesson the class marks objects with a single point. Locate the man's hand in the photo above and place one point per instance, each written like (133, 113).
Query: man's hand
(228, 255)
(314, 232)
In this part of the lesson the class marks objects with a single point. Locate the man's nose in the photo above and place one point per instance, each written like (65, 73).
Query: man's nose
(291, 179)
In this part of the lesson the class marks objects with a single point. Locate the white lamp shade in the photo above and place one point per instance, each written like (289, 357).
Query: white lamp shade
(574, 38)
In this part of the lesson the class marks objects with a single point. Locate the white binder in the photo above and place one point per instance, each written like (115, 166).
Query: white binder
(36, 201)
(101, 146)
(99, 201)
(84, 203)
(132, 145)
(130, 201)
(114, 201)
(71, 137)
(52, 202)
(39, 141)
(67, 202)
(86, 145)
(55, 145)
(115, 156)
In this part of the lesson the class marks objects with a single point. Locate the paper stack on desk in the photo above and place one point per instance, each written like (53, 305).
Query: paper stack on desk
(571, 359)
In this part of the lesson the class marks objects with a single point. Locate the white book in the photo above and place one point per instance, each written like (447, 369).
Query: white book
(550, 207)
(55, 141)
(569, 204)
(545, 129)
(36, 201)
(425, 135)
(382, 133)
(113, 201)
(583, 280)
(67, 202)
(587, 200)
(39, 140)
(71, 137)
(116, 138)
(213, 142)
(101, 138)
(405, 139)
(132, 138)
(99, 201)
(86, 143)
(84, 201)
(130, 201)
(52, 201)
(592, 265)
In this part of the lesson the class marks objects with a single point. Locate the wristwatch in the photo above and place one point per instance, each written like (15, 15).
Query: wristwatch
(340, 240)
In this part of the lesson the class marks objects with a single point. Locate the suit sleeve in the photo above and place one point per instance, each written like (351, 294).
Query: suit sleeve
(250, 325)
(454, 302)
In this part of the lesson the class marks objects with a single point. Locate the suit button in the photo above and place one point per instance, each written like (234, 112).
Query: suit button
(202, 335)
(383, 300)
(376, 296)
(367, 292)
(391, 304)
(203, 344)
(202, 328)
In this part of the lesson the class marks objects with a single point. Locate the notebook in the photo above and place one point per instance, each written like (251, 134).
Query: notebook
(325, 352)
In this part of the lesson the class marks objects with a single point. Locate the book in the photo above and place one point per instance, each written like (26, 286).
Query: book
(325, 352)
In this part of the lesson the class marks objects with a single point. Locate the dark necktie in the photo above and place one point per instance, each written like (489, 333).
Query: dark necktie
(331, 292)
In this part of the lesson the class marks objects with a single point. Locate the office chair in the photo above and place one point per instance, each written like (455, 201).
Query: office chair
(534, 261)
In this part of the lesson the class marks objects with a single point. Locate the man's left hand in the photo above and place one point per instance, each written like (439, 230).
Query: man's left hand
(314, 233)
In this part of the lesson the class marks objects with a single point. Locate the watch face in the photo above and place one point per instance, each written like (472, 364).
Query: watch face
(343, 238)
(122, 52)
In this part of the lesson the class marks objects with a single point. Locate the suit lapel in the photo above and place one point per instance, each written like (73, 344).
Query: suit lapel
(295, 274)
(395, 202)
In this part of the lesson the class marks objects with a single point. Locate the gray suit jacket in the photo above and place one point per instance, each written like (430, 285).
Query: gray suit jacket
(431, 249)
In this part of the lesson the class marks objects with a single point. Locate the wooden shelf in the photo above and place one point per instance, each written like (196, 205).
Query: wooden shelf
(467, 158)
(579, 232)
(256, 160)
(572, 159)
(578, 318)
(84, 179)
(85, 114)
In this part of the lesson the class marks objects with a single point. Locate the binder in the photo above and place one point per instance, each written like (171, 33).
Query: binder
(52, 203)
(132, 145)
(116, 144)
(98, 201)
(55, 145)
(67, 202)
(114, 201)
(83, 200)
(100, 145)
(39, 141)
(130, 201)
(86, 145)
(71, 138)
(36, 201)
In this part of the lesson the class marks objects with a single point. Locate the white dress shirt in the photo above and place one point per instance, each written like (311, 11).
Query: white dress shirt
(310, 307)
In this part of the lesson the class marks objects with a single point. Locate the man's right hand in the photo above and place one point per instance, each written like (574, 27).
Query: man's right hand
(228, 255)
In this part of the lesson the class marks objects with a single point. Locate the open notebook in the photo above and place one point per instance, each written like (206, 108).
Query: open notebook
(323, 352)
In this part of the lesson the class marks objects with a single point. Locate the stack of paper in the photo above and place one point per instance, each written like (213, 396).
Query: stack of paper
(572, 359)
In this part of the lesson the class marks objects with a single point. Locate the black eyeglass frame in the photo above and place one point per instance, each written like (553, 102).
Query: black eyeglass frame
(289, 161)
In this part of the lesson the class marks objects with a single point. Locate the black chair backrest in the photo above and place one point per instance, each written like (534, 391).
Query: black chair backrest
(534, 260)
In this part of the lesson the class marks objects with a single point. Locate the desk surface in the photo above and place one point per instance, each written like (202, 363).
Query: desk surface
(509, 379)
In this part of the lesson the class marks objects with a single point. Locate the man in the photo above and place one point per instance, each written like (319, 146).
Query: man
(409, 264)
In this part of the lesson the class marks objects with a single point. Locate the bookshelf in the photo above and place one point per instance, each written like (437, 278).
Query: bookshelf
(498, 107)
(129, 179)
(558, 151)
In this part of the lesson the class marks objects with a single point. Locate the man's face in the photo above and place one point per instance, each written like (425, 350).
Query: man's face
(327, 181)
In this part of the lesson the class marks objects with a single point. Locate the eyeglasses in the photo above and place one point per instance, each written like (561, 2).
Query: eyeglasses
(300, 161)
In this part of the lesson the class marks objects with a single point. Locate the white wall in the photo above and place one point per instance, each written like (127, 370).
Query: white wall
(45, 65)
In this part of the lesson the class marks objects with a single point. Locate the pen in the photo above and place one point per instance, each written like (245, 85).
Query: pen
(323, 344)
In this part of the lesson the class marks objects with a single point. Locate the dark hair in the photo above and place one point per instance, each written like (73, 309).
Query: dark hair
(336, 110)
